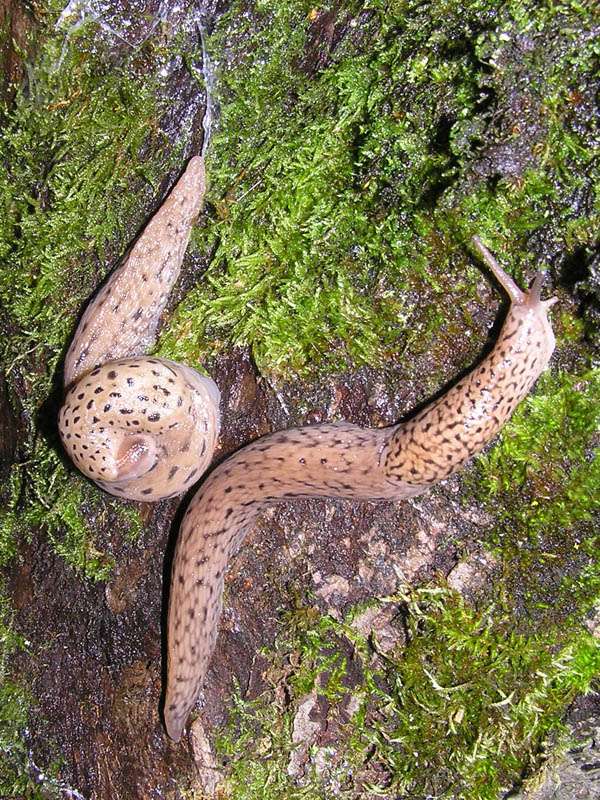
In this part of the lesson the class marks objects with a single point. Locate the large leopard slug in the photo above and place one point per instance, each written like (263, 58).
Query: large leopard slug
(343, 461)
(121, 408)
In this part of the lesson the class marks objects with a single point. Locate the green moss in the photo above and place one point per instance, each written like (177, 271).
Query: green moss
(540, 483)
(466, 708)
(540, 57)
(549, 452)
(317, 187)
(328, 189)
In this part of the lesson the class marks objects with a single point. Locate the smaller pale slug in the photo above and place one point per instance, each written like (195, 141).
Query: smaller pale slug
(145, 428)
(141, 428)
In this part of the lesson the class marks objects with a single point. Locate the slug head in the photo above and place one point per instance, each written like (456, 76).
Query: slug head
(528, 315)
(142, 428)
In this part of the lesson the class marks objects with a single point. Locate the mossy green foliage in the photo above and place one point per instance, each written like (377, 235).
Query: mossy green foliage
(336, 191)
(541, 484)
(316, 186)
(70, 149)
(463, 710)
(550, 454)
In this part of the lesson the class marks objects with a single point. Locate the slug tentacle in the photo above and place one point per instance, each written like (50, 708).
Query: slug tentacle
(145, 428)
(516, 294)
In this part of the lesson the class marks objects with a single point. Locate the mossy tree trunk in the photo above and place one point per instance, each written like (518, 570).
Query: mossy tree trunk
(357, 149)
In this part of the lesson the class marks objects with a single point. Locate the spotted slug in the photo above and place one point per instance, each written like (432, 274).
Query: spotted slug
(141, 428)
(122, 409)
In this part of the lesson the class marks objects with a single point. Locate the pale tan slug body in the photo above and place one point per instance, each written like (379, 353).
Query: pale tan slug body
(339, 460)
(334, 460)
(142, 428)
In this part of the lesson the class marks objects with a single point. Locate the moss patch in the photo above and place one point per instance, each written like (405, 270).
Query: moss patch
(339, 186)
(462, 710)
(540, 483)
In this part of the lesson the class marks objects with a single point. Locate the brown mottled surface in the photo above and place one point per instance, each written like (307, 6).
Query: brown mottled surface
(15, 21)
(97, 674)
(8, 430)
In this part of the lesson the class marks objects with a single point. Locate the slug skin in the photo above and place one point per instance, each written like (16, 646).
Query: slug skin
(141, 428)
(145, 428)
(342, 461)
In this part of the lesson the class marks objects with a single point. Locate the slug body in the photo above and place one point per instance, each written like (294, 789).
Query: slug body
(141, 428)
(343, 461)
(145, 428)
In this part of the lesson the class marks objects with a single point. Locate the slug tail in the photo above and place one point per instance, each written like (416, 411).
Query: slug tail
(338, 460)
(194, 612)
(213, 526)
(121, 320)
